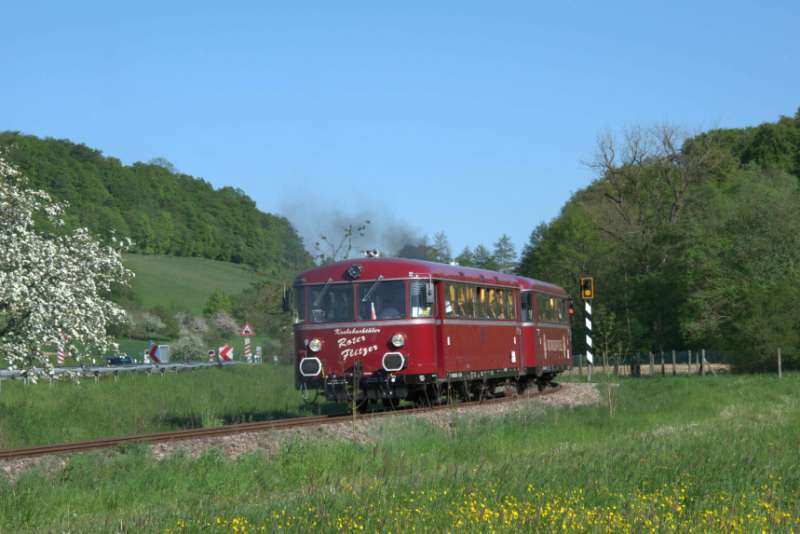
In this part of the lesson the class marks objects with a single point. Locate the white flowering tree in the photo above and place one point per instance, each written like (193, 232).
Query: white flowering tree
(53, 288)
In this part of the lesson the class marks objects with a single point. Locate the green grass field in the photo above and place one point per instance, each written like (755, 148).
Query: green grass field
(685, 454)
(41, 414)
(185, 283)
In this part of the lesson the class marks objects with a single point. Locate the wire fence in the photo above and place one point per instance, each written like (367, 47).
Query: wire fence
(675, 362)
(685, 362)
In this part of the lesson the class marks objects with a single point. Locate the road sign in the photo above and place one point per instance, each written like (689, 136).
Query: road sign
(153, 353)
(247, 330)
(226, 353)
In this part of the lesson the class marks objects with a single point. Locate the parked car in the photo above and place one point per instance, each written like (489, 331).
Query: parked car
(119, 359)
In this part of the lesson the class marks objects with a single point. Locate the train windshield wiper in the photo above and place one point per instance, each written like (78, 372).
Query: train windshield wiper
(365, 298)
(322, 293)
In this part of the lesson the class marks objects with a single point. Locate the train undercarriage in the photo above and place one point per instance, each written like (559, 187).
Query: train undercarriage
(424, 390)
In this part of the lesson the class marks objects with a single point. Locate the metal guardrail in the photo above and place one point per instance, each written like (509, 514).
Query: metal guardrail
(97, 370)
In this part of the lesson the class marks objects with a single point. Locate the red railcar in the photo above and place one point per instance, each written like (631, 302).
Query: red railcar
(417, 330)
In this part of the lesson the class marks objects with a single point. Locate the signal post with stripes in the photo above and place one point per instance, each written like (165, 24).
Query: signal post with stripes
(247, 332)
(587, 294)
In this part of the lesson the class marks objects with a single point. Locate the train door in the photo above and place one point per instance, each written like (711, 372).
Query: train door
(423, 311)
(553, 326)
(529, 337)
(463, 334)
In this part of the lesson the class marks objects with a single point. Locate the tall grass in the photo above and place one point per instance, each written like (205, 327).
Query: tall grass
(41, 414)
(714, 454)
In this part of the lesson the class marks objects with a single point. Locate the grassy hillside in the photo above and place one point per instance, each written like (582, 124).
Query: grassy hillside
(185, 283)
(683, 454)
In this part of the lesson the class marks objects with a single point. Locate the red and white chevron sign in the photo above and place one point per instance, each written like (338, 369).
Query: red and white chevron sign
(153, 353)
(225, 353)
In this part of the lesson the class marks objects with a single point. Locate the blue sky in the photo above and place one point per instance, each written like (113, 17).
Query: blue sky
(467, 117)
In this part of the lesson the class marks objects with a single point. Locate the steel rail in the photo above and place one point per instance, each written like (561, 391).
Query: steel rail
(241, 428)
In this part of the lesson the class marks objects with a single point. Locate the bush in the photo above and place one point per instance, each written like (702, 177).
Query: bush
(151, 325)
(217, 302)
(188, 347)
(225, 324)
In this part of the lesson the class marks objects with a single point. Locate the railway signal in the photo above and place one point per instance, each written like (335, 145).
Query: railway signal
(587, 287)
(587, 294)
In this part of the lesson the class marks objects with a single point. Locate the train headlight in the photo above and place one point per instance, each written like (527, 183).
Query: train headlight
(398, 340)
(315, 345)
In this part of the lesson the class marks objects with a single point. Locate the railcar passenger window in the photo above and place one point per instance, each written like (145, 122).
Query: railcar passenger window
(331, 303)
(552, 309)
(472, 302)
(563, 315)
(386, 301)
(559, 310)
(500, 304)
(450, 305)
(458, 300)
(420, 306)
(512, 310)
(480, 302)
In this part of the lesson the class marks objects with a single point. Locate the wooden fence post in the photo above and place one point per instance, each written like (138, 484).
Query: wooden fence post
(674, 364)
(580, 364)
(703, 362)
(690, 361)
(780, 369)
(652, 364)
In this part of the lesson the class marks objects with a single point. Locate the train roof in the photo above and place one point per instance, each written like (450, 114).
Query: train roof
(371, 268)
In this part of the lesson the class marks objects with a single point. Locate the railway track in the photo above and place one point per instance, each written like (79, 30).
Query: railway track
(295, 422)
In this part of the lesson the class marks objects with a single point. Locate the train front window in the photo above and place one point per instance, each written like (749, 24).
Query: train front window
(421, 306)
(330, 303)
(387, 300)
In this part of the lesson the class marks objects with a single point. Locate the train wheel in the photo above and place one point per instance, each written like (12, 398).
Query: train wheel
(362, 406)
(391, 403)
(310, 397)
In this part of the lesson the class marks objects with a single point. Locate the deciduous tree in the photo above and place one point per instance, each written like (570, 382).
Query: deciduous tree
(53, 287)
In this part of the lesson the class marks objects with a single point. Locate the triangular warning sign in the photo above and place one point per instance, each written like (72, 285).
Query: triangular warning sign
(247, 330)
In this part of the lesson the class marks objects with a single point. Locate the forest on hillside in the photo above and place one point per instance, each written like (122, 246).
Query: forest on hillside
(694, 241)
(162, 210)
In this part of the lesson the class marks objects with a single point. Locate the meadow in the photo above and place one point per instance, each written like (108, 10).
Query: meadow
(185, 283)
(137, 402)
(682, 454)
